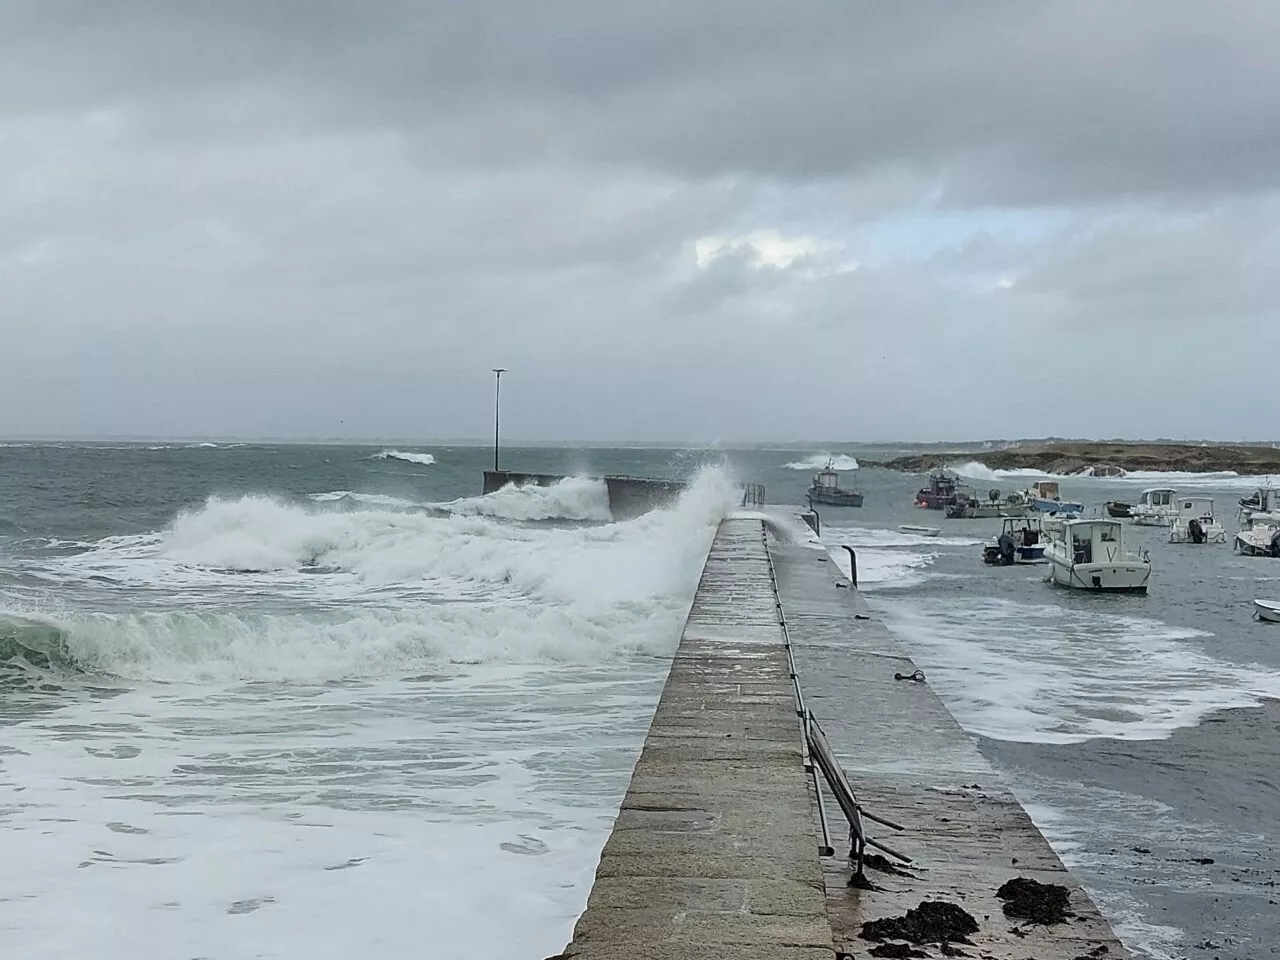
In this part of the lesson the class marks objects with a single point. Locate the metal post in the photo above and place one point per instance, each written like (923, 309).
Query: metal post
(497, 397)
(853, 565)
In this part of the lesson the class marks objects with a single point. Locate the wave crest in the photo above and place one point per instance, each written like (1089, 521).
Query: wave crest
(818, 461)
(407, 456)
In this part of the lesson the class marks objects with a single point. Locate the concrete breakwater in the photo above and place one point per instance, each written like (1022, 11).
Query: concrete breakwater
(629, 497)
(717, 848)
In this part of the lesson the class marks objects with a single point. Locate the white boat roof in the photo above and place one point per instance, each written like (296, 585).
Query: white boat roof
(1092, 522)
(1160, 490)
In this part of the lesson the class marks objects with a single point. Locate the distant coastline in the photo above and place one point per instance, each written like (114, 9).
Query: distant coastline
(1087, 457)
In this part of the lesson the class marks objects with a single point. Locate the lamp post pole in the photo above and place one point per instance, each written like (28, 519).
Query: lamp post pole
(497, 397)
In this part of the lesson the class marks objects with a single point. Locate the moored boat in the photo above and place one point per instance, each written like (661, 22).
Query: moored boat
(1119, 509)
(1196, 523)
(1021, 541)
(939, 494)
(1156, 507)
(1267, 610)
(1044, 496)
(1091, 555)
(1259, 539)
(826, 489)
(919, 530)
(967, 506)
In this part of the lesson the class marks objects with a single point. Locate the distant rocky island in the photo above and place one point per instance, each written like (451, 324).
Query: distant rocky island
(1102, 459)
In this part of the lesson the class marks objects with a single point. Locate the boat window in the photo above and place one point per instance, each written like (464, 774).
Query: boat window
(1107, 535)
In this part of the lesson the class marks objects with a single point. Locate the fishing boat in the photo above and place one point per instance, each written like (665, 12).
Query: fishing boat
(1196, 523)
(826, 488)
(1157, 507)
(1091, 555)
(1119, 509)
(1044, 496)
(1263, 504)
(1021, 540)
(967, 506)
(939, 494)
(1267, 610)
(919, 530)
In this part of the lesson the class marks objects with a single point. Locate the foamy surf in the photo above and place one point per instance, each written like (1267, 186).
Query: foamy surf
(818, 461)
(419, 459)
(441, 704)
(1039, 673)
(1226, 479)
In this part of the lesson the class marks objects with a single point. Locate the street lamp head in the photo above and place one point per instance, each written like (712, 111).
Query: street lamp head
(499, 370)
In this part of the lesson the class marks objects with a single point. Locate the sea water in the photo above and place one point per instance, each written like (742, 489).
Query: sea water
(283, 700)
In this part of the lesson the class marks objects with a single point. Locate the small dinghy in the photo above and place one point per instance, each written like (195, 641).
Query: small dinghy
(919, 530)
(1266, 610)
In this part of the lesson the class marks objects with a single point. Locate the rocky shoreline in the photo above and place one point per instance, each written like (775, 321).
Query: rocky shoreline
(1099, 458)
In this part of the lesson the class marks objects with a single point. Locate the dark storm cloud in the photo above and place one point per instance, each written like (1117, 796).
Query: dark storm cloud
(1015, 101)
(756, 218)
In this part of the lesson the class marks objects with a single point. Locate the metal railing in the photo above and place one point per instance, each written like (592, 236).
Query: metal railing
(753, 495)
(818, 756)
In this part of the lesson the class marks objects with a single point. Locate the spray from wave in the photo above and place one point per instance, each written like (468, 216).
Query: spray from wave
(976, 470)
(267, 589)
(818, 461)
(421, 459)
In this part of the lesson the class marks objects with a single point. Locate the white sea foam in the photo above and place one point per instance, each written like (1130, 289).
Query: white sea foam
(1063, 674)
(421, 459)
(381, 589)
(574, 498)
(377, 499)
(838, 461)
(976, 470)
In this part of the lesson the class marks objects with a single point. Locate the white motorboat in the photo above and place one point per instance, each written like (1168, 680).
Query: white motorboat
(1196, 523)
(1267, 610)
(1021, 540)
(1259, 539)
(1156, 507)
(1091, 555)
(1043, 496)
(919, 530)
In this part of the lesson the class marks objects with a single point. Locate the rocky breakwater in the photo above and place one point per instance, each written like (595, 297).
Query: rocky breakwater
(1068, 459)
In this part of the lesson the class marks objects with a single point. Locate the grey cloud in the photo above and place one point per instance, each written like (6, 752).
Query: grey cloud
(251, 218)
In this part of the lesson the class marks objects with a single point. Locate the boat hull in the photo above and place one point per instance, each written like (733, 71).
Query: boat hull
(1062, 507)
(1122, 577)
(1253, 546)
(1121, 511)
(835, 498)
(1213, 533)
(1264, 610)
(986, 511)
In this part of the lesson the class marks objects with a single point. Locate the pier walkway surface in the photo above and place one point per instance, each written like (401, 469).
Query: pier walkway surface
(716, 849)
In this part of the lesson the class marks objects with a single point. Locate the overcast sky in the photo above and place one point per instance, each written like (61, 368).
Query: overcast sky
(705, 220)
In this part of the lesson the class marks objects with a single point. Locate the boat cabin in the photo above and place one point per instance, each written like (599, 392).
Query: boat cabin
(1026, 531)
(826, 479)
(1195, 508)
(1094, 541)
(1157, 497)
(1046, 489)
(1262, 500)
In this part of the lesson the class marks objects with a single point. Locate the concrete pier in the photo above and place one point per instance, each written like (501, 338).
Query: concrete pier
(715, 852)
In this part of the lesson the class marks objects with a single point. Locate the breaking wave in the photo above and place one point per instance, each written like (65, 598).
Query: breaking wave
(573, 498)
(272, 590)
(839, 461)
(976, 470)
(421, 459)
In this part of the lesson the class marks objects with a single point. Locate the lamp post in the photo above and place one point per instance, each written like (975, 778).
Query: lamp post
(497, 397)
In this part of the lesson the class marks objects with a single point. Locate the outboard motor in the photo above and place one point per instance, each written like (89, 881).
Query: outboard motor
(1275, 544)
(1007, 549)
(1196, 531)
